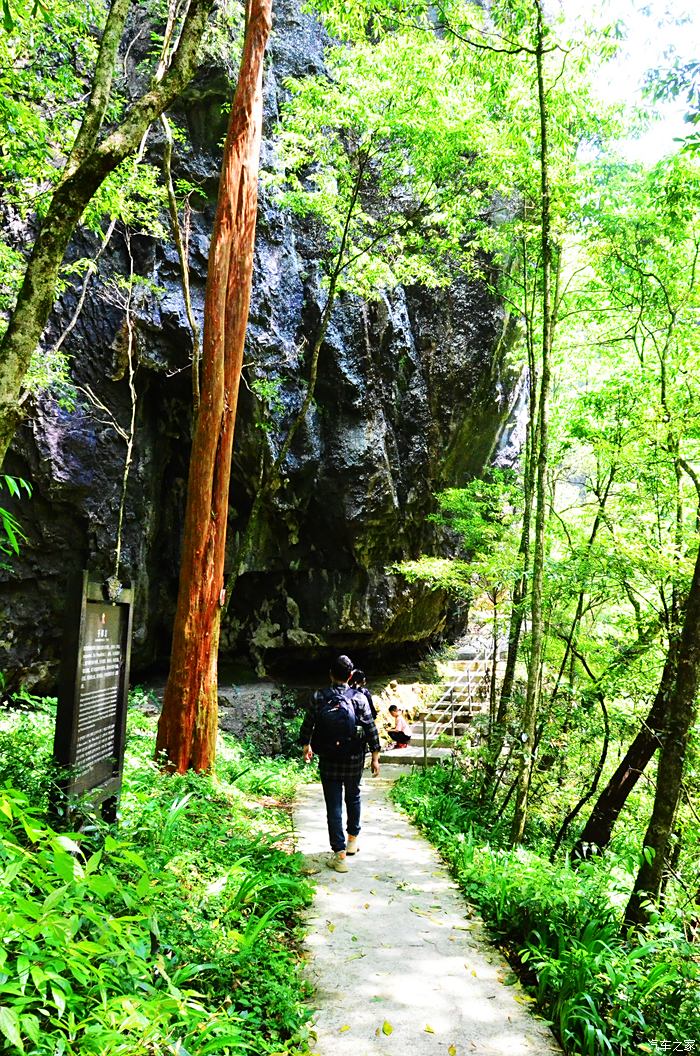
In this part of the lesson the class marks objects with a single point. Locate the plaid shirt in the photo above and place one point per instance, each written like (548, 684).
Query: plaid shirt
(341, 769)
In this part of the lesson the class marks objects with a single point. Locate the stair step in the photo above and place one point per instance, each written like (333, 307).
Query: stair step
(463, 715)
(417, 737)
(414, 756)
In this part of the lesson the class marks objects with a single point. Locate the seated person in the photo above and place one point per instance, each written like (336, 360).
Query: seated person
(401, 733)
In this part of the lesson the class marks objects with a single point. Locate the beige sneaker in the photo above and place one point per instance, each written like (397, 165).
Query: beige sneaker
(352, 847)
(337, 862)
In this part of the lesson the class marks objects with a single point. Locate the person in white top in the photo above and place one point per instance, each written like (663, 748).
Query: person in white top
(401, 733)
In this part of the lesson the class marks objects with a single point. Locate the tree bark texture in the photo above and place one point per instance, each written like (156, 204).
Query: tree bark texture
(86, 170)
(682, 708)
(188, 723)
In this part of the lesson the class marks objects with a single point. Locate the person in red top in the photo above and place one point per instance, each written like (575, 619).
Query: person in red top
(401, 733)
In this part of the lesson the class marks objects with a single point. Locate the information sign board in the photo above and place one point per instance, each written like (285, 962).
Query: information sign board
(93, 691)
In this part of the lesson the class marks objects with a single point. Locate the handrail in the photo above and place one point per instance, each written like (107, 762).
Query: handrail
(470, 685)
(470, 680)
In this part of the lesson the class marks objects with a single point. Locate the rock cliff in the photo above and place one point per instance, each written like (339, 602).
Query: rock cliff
(410, 398)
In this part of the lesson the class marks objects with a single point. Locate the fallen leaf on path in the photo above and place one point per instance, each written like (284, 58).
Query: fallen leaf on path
(357, 956)
(366, 905)
(429, 1029)
(372, 891)
(510, 979)
(346, 1026)
(452, 1051)
(387, 1027)
(330, 925)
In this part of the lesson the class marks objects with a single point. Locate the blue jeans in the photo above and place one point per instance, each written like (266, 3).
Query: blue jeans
(333, 794)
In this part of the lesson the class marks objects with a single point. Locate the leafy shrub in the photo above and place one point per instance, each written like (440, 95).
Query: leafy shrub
(78, 969)
(178, 935)
(26, 748)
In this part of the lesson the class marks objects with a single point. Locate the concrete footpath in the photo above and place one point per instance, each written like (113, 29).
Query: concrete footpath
(400, 965)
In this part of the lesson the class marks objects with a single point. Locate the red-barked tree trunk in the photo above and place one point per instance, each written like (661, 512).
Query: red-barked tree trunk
(188, 723)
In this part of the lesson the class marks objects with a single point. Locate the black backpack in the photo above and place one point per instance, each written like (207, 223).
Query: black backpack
(338, 732)
(370, 703)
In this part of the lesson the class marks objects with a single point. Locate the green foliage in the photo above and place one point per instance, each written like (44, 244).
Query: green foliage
(11, 270)
(481, 518)
(268, 392)
(77, 941)
(46, 66)
(42, 66)
(26, 752)
(373, 153)
(177, 934)
(440, 573)
(11, 533)
(481, 511)
(603, 994)
(135, 194)
(681, 80)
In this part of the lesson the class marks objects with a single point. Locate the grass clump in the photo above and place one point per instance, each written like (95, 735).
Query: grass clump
(177, 934)
(605, 995)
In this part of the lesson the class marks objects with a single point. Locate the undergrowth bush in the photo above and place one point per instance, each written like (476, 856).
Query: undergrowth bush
(604, 995)
(176, 934)
(26, 747)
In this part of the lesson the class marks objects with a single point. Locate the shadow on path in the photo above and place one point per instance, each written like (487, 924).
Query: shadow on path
(400, 965)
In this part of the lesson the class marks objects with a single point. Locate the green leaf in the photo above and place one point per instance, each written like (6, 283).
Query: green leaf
(59, 999)
(10, 1027)
(30, 1026)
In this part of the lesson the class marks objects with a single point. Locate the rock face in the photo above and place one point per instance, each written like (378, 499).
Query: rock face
(409, 399)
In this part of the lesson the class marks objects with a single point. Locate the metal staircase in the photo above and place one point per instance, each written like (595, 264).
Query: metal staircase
(463, 694)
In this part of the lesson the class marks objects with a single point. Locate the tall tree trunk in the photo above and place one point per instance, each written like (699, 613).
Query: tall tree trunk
(88, 166)
(537, 631)
(188, 722)
(597, 832)
(489, 784)
(521, 584)
(682, 708)
(494, 666)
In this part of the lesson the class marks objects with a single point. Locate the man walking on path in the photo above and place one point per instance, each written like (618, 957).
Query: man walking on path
(339, 728)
